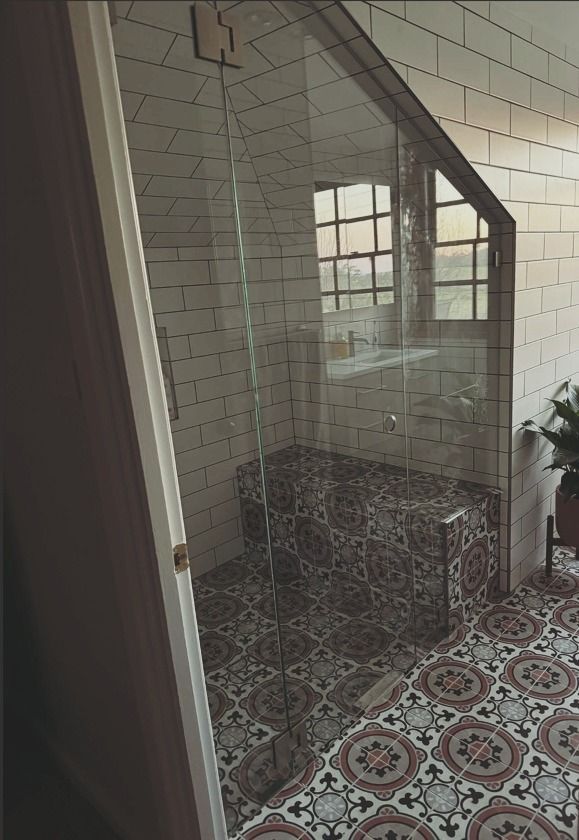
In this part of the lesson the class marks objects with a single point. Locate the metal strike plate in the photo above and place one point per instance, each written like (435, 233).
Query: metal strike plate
(216, 35)
(181, 558)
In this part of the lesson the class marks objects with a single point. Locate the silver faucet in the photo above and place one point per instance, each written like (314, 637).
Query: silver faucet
(352, 339)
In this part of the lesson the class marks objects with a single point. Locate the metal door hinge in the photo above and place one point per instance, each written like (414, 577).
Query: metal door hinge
(497, 259)
(181, 558)
(216, 35)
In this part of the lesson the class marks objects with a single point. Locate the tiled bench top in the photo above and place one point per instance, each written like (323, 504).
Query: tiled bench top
(301, 469)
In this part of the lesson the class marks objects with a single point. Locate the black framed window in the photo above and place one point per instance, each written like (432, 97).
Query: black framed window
(461, 257)
(354, 236)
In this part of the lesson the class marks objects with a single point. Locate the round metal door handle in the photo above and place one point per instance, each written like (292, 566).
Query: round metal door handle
(389, 423)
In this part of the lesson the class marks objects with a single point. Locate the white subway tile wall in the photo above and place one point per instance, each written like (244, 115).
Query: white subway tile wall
(178, 155)
(534, 168)
(507, 97)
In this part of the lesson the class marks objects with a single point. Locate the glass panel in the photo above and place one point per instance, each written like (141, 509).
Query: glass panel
(482, 261)
(384, 231)
(328, 360)
(343, 274)
(342, 277)
(452, 361)
(324, 206)
(456, 222)
(444, 189)
(326, 238)
(360, 271)
(454, 303)
(454, 262)
(357, 301)
(482, 302)
(385, 297)
(327, 276)
(384, 269)
(357, 237)
(357, 201)
(382, 199)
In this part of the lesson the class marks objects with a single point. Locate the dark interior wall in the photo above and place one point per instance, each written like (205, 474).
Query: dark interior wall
(69, 663)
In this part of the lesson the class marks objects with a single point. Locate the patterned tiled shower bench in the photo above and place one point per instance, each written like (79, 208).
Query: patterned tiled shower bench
(413, 553)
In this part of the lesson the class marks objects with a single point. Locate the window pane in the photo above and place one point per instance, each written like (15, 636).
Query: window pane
(455, 223)
(382, 199)
(357, 201)
(482, 302)
(482, 261)
(343, 274)
(324, 206)
(326, 276)
(444, 189)
(454, 302)
(357, 237)
(453, 262)
(385, 297)
(329, 304)
(360, 273)
(383, 267)
(357, 301)
(326, 241)
(384, 227)
(483, 229)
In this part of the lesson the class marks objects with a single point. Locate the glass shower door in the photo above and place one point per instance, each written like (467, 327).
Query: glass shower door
(452, 239)
(316, 193)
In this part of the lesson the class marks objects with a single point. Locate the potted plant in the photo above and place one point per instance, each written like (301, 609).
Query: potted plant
(565, 439)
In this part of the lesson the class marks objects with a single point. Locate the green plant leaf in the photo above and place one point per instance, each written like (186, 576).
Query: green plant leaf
(564, 457)
(573, 396)
(567, 413)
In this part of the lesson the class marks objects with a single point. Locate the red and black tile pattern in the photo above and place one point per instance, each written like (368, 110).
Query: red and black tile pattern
(480, 741)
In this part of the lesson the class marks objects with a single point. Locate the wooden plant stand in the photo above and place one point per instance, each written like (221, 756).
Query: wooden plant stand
(551, 541)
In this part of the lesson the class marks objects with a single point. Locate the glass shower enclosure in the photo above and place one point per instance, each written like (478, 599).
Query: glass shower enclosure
(339, 382)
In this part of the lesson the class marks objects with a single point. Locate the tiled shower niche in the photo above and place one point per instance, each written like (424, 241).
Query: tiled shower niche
(334, 283)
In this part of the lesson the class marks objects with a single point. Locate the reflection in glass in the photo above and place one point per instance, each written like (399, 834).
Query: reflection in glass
(355, 201)
(461, 256)
(327, 245)
(354, 229)
(444, 189)
(324, 206)
(382, 199)
(453, 263)
(384, 234)
(482, 302)
(482, 261)
(455, 223)
(454, 303)
(360, 271)
(357, 237)
(327, 276)
(384, 270)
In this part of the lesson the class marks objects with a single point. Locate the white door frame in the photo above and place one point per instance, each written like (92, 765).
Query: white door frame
(101, 101)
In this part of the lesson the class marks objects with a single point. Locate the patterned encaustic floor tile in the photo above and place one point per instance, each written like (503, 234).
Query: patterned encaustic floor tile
(332, 660)
(478, 741)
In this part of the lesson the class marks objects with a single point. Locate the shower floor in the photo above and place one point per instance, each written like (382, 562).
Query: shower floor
(332, 662)
(480, 741)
